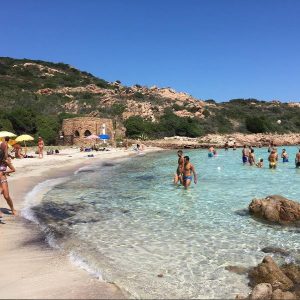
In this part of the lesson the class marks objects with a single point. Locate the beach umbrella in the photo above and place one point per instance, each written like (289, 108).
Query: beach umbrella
(92, 137)
(104, 136)
(6, 133)
(24, 138)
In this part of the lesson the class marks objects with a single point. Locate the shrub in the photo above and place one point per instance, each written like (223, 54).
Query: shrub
(257, 124)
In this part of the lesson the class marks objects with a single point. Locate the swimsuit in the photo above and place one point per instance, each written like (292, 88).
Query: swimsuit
(3, 180)
(187, 177)
(245, 159)
(285, 159)
(272, 165)
(210, 154)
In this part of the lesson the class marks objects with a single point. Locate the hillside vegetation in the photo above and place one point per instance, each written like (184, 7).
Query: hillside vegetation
(35, 96)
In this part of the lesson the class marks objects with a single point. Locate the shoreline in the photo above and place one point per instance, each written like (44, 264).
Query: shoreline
(33, 269)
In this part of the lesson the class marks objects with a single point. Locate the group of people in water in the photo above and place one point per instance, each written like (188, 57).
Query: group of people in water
(185, 170)
(248, 157)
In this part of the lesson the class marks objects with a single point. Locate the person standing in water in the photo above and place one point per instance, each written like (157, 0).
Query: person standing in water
(211, 150)
(245, 154)
(234, 146)
(251, 158)
(187, 173)
(297, 159)
(179, 171)
(273, 158)
(284, 156)
(226, 146)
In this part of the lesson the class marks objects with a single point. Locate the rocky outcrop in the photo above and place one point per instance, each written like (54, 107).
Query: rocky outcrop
(276, 209)
(269, 272)
(269, 281)
(256, 140)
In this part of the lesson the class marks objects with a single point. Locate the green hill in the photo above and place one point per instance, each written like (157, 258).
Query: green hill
(35, 96)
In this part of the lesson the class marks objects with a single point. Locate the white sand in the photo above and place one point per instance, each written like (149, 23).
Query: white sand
(30, 268)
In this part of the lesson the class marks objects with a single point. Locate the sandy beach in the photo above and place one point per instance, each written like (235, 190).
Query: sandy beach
(31, 268)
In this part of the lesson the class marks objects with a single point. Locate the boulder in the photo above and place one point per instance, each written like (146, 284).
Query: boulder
(292, 271)
(262, 291)
(269, 272)
(280, 295)
(276, 209)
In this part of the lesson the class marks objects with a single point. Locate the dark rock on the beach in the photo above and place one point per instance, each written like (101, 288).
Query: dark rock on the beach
(108, 164)
(276, 209)
(269, 272)
(237, 269)
(145, 177)
(275, 250)
(242, 212)
(160, 275)
(262, 291)
(86, 171)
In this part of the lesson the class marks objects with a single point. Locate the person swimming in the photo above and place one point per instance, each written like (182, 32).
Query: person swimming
(187, 172)
(284, 156)
(273, 158)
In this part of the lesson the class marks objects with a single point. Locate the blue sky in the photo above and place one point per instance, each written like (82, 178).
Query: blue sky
(212, 49)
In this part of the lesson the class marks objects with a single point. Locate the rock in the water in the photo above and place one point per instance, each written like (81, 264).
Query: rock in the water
(280, 295)
(237, 269)
(276, 209)
(262, 291)
(269, 272)
(292, 271)
(275, 250)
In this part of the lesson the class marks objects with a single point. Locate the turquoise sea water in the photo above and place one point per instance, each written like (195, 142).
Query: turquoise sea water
(129, 222)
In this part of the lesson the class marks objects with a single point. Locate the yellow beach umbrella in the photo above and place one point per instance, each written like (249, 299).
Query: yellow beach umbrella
(24, 138)
(6, 133)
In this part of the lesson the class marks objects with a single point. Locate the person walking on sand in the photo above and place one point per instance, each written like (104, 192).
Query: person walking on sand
(245, 154)
(284, 156)
(273, 158)
(297, 159)
(41, 147)
(188, 169)
(4, 163)
(179, 171)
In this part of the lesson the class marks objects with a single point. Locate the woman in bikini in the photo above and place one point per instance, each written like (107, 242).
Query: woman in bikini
(4, 184)
(273, 158)
(41, 147)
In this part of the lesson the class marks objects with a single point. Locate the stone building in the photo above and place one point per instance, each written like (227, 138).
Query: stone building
(75, 130)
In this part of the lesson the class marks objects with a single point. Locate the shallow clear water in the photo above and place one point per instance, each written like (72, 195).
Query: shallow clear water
(130, 222)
